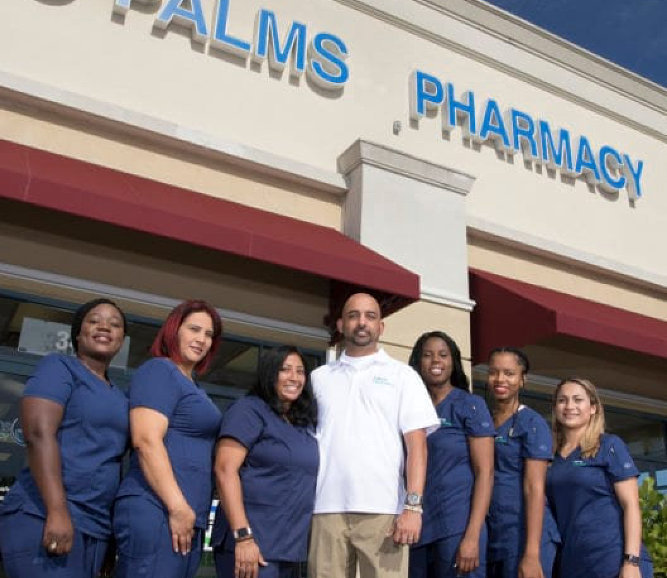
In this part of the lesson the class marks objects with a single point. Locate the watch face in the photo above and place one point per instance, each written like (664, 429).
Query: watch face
(413, 500)
(242, 533)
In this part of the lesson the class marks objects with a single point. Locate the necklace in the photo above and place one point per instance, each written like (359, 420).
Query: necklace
(513, 415)
(101, 376)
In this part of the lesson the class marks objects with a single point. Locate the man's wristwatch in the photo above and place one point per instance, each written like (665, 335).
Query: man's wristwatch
(413, 499)
(242, 534)
(631, 559)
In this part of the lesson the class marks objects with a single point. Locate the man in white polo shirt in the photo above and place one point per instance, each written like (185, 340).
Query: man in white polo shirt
(369, 405)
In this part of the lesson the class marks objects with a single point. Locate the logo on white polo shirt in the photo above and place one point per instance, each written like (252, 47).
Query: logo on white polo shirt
(379, 380)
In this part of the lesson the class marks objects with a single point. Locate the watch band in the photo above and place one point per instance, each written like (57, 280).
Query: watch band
(631, 559)
(414, 499)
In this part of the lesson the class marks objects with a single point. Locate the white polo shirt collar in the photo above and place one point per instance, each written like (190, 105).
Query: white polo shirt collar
(364, 361)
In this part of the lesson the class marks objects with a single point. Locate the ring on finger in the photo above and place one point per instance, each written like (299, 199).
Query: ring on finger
(53, 545)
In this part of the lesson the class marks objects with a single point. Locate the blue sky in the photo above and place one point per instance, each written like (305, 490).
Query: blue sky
(630, 33)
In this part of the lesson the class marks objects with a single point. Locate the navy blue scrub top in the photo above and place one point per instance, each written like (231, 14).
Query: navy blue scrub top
(278, 479)
(194, 421)
(92, 437)
(523, 436)
(589, 516)
(449, 474)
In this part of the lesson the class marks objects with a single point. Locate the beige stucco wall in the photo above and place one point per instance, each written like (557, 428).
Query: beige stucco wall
(79, 54)
(566, 277)
(55, 133)
(122, 62)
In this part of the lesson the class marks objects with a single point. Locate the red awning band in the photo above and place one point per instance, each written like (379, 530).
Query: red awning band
(510, 312)
(80, 188)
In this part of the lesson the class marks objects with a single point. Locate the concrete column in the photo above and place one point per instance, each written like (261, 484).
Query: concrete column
(413, 212)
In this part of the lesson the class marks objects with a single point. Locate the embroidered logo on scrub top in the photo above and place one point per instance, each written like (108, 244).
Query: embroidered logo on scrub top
(501, 440)
(579, 463)
(379, 380)
(444, 422)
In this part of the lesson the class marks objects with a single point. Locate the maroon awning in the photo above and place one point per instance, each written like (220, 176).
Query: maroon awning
(510, 312)
(80, 188)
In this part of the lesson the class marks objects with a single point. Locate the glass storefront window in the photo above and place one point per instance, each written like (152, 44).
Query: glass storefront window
(233, 371)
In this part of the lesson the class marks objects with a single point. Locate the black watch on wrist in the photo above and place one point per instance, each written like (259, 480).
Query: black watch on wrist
(242, 534)
(631, 559)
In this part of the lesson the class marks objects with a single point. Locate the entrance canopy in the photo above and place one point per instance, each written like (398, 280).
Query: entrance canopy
(510, 312)
(80, 188)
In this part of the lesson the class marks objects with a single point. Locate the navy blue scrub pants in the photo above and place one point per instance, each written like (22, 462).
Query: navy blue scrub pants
(23, 555)
(436, 560)
(224, 567)
(509, 567)
(143, 540)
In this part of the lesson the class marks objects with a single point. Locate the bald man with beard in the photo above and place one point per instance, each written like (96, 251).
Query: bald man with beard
(371, 407)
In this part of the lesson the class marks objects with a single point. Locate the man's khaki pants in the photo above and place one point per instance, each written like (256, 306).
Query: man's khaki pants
(338, 542)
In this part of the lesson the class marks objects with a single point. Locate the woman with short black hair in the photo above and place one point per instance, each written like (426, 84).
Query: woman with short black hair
(56, 519)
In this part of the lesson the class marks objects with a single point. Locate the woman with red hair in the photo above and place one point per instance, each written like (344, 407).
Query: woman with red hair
(163, 503)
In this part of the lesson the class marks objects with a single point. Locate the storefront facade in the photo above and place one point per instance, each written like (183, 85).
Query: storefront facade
(477, 174)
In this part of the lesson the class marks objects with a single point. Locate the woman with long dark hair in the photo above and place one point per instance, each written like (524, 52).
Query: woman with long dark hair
(266, 468)
(522, 533)
(459, 472)
(592, 489)
(56, 519)
(163, 503)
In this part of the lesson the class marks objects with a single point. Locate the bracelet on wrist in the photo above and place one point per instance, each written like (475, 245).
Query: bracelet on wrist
(417, 509)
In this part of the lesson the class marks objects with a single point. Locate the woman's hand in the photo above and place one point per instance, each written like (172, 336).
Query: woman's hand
(629, 571)
(247, 559)
(467, 556)
(530, 567)
(182, 527)
(58, 533)
(149, 427)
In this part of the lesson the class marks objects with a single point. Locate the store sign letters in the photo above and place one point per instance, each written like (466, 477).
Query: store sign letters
(322, 57)
(513, 131)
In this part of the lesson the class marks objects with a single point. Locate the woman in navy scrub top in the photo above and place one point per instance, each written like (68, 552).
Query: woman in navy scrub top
(592, 489)
(163, 503)
(266, 468)
(459, 473)
(56, 519)
(522, 533)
